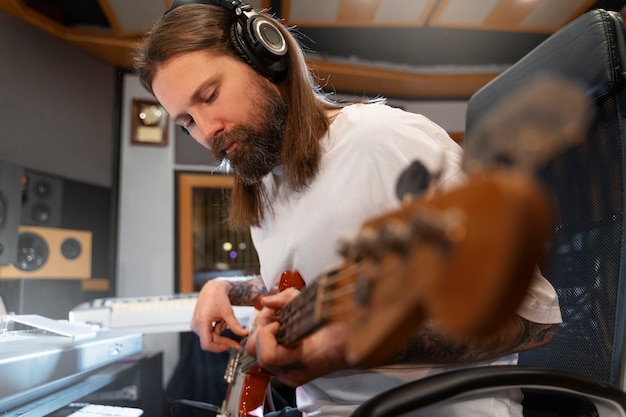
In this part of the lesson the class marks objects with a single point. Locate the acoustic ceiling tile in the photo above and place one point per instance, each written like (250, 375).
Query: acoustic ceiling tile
(552, 14)
(314, 11)
(466, 13)
(401, 11)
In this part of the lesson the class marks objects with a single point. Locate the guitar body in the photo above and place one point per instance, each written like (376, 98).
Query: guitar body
(245, 396)
(246, 393)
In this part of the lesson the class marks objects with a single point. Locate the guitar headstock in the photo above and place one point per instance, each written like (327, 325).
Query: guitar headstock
(463, 258)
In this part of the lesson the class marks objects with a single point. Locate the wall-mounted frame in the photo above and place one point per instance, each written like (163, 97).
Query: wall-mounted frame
(149, 123)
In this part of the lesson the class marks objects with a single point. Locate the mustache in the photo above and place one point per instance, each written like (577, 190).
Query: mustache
(217, 147)
(224, 140)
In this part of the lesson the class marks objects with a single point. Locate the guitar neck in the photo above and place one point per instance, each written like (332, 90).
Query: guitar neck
(302, 315)
(298, 318)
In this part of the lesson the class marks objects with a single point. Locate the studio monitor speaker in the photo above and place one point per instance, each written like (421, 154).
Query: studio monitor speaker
(42, 200)
(46, 252)
(10, 207)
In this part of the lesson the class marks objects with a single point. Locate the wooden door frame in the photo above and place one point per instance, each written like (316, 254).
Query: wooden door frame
(186, 183)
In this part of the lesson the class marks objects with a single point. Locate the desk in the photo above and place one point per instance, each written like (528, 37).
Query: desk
(132, 382)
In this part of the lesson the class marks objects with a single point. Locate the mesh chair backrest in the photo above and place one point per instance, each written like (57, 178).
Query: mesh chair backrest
(586, 261)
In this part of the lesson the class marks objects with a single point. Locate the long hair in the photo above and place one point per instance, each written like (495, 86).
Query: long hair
(197, 27)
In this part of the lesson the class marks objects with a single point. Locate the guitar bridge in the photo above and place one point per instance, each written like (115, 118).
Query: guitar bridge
(232, 366)
(238, 362)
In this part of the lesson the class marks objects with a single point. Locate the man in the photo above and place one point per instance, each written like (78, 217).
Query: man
(308, 173)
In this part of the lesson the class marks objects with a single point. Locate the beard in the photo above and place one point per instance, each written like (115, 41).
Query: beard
(259, 145)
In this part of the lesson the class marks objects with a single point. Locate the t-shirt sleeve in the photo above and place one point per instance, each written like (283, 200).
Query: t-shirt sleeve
(541, 304)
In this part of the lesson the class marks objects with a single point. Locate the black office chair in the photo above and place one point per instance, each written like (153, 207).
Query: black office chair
(581, 372)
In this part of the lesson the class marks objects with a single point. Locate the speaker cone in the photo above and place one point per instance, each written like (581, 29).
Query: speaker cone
(42, 189)
(40, 213)
(32, 252)
(70, 248)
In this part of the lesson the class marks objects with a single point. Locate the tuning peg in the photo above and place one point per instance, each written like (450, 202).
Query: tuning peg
(428, 227)
(393, 236)
(444, 229)
(361, 246)
(397, 236)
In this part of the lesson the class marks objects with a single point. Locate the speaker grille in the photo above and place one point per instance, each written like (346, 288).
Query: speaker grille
(71, 248)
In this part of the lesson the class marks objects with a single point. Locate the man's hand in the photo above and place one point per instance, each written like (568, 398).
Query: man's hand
(214, 314)
(316, 355)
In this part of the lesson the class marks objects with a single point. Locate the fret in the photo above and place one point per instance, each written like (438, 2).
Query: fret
(297, 318)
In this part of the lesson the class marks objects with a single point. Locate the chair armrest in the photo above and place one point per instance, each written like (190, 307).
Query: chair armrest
(609, 400)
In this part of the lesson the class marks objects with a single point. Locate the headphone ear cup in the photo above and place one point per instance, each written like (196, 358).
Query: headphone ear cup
(261, 44)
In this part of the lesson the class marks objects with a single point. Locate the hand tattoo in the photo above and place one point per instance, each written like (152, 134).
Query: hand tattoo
(246, 292)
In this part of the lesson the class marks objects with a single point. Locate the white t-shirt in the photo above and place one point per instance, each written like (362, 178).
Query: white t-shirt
(366, 149)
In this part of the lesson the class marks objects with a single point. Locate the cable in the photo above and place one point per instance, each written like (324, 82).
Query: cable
(194, 404)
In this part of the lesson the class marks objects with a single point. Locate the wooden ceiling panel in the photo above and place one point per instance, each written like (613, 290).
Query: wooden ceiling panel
(542, 16)
(356, 12)
(360, 79)
(352, 13)
(509, 13)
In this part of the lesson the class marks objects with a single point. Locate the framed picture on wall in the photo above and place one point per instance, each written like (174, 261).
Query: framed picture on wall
(149, 123)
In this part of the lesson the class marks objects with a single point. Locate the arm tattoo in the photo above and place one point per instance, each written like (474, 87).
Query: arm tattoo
(430, 346)
(246, 292)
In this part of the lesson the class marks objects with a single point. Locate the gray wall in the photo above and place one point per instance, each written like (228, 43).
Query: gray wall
(57, 105)
(145, 248)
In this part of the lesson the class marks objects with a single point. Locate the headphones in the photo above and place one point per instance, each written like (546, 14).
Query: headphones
(256, 37)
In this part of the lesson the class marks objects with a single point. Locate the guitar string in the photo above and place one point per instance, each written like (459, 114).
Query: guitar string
(316, 306)
(325, 290)
(346, 286)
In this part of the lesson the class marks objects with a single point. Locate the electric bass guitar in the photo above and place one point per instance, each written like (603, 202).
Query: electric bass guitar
(463, 257)
(426, 260)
